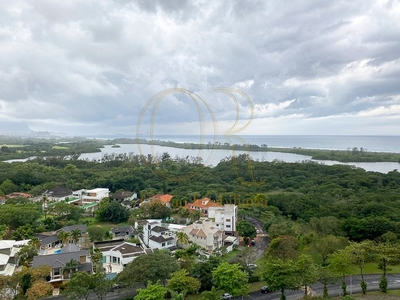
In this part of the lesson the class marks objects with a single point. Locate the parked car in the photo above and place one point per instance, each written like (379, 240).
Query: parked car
(252, 266)
(258, 231)
(226, 296)
(265, 289)
(253, 242)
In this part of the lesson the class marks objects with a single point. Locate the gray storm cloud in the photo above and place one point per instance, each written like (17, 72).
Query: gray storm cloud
(90, 67)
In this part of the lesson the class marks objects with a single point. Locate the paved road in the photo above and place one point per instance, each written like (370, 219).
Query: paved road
(353, 287)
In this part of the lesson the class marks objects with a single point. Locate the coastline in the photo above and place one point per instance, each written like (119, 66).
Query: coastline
(345, 156)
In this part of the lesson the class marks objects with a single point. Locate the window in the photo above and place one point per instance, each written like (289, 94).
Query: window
(114, 259)
(228, 220)
(163, 244)
(228, 226)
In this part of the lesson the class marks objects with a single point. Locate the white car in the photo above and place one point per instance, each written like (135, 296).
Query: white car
(226, 296)
(252, 266)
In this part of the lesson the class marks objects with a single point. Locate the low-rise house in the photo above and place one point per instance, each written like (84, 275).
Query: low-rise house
(127, 199)
(118, 253)
(95, 195)
(123, 196)
(19, 195)
(202, 205)
(224, 217)
(163, 198)
(51, 239)
(8, 255)
(58, 194)
(59, 264)
(124, 232)
(205, 234)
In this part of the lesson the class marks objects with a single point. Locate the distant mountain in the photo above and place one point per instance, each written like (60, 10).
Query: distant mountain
(15, 128)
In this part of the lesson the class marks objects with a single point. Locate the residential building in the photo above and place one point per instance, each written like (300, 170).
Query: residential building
(205, 234)
(59, 262)
(158, 235)
(224, 217)
(58, 194)
(95, 195)
(124, 196)
(19, 195)
(118, 253)
(50, 239)
(202, 205)
(163, 198)
(8, 255)
(124, 232)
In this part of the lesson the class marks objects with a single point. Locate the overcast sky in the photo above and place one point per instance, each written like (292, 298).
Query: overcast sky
(309, 67)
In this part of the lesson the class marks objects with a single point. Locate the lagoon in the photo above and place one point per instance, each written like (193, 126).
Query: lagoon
(213, 157)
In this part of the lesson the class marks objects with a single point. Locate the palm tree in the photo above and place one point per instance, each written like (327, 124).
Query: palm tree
(182, 237)
(71, 267)
(35, 242)
(44, 205)
(63, 236)
(214, 294)
(96, 257)
(75, 235)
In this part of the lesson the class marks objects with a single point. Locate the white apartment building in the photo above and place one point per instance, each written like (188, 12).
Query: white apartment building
(157, 236)
(224, 217)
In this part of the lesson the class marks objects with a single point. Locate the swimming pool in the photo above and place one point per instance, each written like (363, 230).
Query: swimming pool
(57, 251)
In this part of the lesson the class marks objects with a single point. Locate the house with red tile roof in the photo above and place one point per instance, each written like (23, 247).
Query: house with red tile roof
(202, 205)
(19, 195)
(163, 198)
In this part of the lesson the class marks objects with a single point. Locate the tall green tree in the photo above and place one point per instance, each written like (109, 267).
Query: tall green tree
(385, 253)
(152, 292)
(231, 279)
(203, 272)
(283, 247)
(281, 275)
(325, 276)
(326, 245)
(360, 253)
(307, 271)
(153, 267)
(246, 230)
(101, 285)
(80, 286)
(181, 281)
(26, 254)
(341, 265)
(112, 211)
(155, 210)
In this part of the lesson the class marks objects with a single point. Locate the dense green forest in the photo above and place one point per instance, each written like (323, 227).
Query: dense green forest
(309, 210)
(366, 203)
